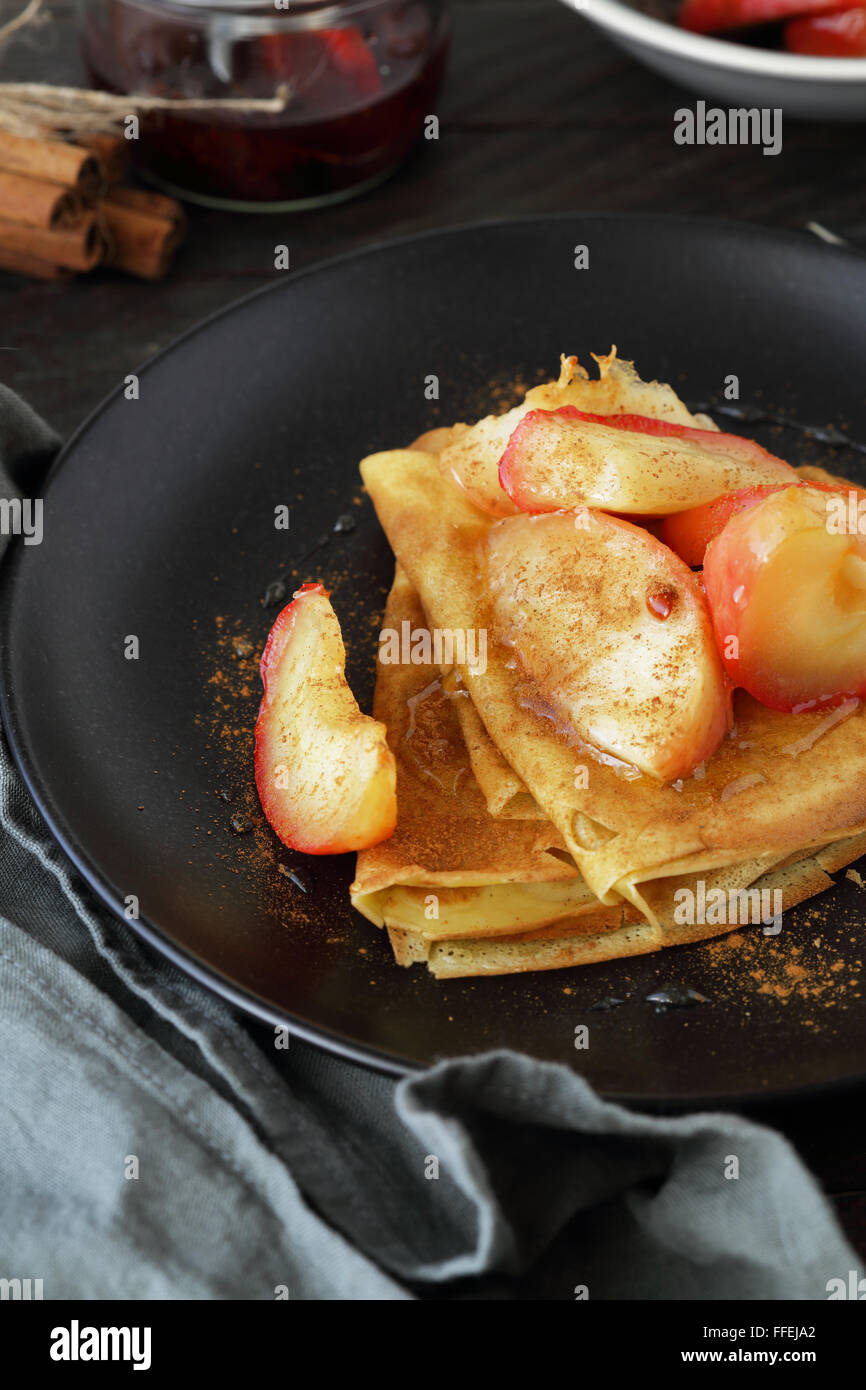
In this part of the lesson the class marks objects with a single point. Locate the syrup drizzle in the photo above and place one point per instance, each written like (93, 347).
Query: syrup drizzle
(660, 600)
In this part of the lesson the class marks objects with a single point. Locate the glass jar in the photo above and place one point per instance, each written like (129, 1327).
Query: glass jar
(360, 76)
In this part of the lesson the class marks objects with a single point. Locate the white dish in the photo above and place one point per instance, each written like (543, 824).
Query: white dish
(805, 88)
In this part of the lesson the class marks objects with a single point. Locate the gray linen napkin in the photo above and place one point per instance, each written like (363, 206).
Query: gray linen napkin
(150, 1147)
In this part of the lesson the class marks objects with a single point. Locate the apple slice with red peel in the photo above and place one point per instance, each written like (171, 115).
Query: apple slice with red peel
(841, 34)
(715, 16)
(472, 459)
(787, 592)
(325, 775)
(627, 464)
(613, 633)
(689, 533)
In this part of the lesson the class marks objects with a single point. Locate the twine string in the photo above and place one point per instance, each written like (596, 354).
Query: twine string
(29, 17)
(40, 109)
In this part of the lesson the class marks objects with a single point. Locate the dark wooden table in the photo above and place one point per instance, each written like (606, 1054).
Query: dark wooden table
(539, 114)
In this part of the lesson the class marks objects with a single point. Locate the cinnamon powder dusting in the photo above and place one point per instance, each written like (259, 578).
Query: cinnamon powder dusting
(231, 664)
(814, 972)
(229, 655)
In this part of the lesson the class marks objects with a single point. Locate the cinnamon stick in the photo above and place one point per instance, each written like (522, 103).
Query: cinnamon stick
(112, 152)
(143, 231)
(36, 202)
(23, 264)
(55, 160)
(78, 248)
(143, 200)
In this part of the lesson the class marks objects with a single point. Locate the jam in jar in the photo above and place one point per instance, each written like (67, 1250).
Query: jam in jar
(359, 80)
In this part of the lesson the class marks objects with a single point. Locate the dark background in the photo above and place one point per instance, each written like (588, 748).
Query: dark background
(539, 114)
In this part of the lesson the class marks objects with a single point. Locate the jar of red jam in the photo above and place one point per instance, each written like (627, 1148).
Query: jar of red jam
(359, 80)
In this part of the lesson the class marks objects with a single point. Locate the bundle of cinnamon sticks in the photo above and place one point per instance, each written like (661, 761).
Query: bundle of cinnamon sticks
(64, 210)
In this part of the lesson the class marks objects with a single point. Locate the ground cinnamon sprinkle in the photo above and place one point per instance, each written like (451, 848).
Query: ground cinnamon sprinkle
(231, 662)
(794, 968)
(229, 655)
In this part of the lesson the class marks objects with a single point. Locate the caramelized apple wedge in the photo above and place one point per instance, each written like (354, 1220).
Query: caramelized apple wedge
(786, 585)
(613, 635)
(627, 464)
(472, 460)
(325, 775)
(689, 533)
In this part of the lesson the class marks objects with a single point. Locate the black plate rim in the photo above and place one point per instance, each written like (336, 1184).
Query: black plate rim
(365, 1055)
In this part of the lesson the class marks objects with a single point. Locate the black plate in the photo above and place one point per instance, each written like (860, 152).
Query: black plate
(159, 522)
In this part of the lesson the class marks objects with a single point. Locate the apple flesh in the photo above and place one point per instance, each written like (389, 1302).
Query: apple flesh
(612, 631)
(627, 464)
(325, 775)
(472, 459)
(787, 594)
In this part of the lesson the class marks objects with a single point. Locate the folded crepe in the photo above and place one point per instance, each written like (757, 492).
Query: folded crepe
(470, 894)
(503, 860)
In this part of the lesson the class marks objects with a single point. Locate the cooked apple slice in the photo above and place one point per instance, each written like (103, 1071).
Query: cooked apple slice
(786, 586)
(472, 460)
(612, 630)
(627, 464)
(325, 775)
(689, 533)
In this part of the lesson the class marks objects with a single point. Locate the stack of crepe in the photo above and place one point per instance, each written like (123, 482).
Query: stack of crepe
(503, 859)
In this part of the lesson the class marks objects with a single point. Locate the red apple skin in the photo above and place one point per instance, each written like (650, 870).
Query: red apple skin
(735, 563)
(841, 34)
(282, 630)
(715, 16)
(689, 533)
(298, 835)
(513, 469)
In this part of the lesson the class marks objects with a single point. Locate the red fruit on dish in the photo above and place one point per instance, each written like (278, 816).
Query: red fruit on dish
(689, 533)
(715, 16)
(325, 775)
(614, 635)
(627, 464)
(841, 34)
(785, 582)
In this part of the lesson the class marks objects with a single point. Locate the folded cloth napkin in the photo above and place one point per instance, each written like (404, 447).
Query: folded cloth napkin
(153, 1145)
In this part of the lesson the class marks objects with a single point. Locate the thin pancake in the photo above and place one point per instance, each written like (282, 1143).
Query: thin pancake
(505, 794)
(445, 835)
(558, 948)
